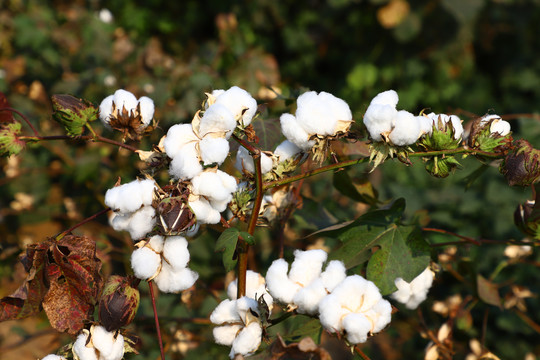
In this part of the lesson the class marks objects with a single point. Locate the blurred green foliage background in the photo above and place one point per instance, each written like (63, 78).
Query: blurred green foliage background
(466, 57)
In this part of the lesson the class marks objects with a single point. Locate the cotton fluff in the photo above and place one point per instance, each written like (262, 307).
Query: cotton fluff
(238, 327)
(213, 150)
(204, 212)
(138, 223)
(128, 198)
(145, 262)
(178, 136)
(295, 133)
(244, 161)
(445, 119)
(146, 109)
(407, 129)
(82, 351)
(181, 145)
(286, 150)
(124, 100)
(214, 185)
(381, 114)
(413, 293)
(175, 251)
(239, 102)
(172, 279)
(53, 357)
(103, 345)
(498, 125)
(255, 288)
(355, 307)
(217, 121)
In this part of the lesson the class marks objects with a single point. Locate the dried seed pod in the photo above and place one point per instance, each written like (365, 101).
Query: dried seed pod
(119, 302)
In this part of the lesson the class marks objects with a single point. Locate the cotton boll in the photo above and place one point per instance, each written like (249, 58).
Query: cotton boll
(334, 274)
(294, 132)
(389, 97)
(426, 124)
(339, 108)
(413, 293)
(53, 357)
(204, 212)
(406, 130)
(146, 191)
(255, 288)
(145, 263)
(380, 119)
(225, 312)
(278, 283)
(314, 115)
(247, 341)
(209, 184)
(103, 341)
(142, 222)
(213, 150)
(286, 150)
(217, 120)
(81, 350)
(331, 312)
(124, 99)
(238, 100)
(382, 315)
(171, 280)
(175, 251)
(185, 165)
(225, 335)
(403, 293)
(500, 127)
(220, 205)
(128, 197)
(357, 327)
(146, 108)
(120, 222)
(105, 110)
(307, 265)
(228, 181)
(458, 127)
(244, 161)
(156, 243)
(177, 137)
(308, 298)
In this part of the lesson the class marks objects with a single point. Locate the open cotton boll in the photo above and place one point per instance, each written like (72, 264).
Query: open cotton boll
(146, 107)
(426, 124)
(217, 120)
(225, 335)
(171, 280)
(103, 341)
(255, 288)
(145, 262)
(247, 341)
(278, 283)
(286, 150)
(388, 97)
(406, 129)
(380, 119)
(105, 110)
(209, 184)
(453, 119)
(81, 350)
(339, 108)
(130, 197)
(307, 265)
(177, 137)
(142, 222)
(307, 298)
(500, 127)
(185, 165)
(156, 243)
(225, 312)
(414, 293)
(213, 150)
(53, 357)
(244, 161)
(124, 99)
(204, 212)
(294, 132)
(314, 114)
(333, 275)
(357, 327)
(175, 251)
(239, 101)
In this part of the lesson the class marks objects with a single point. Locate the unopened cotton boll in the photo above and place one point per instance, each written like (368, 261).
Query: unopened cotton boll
(175, 251)
(286, 150)
(145, 263)
(294, 132)
(240, 103)
(414, 293)
(218, 121)
(244, 161)
(214, 150)
(406, 129)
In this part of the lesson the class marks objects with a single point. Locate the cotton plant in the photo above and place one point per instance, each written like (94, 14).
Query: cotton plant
(98, 344)
(413, 293)
(238, 325)
(305, 284)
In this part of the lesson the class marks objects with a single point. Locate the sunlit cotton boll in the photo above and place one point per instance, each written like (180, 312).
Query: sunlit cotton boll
(186, 165)
(53, 357)
(406, 129)
(255, 288)
(244, 161)
(81, 350)
(414, 293)
(177, 137)
(216, 185)
(381, 114)
(294, 132)
(109, 344)
(319, 113)
(217, 121)
(453, 119)
(173, 280)
(498, 125)
(146, 108)
(175, 251)
(130, 197)
(240, 103)
(145, 262)
(214, 150)
(286, 150)
(204, 212)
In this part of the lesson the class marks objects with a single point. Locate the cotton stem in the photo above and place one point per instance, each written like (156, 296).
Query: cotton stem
(156, 318)
(88, 219)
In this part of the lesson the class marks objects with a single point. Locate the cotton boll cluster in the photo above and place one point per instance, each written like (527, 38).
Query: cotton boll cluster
(255, 288)
(413, 293)
(122, 111)
(164, 260)
(355, 307)
(496, 124)
(98, 344)
(132, 205)
(305, 284)
(238, 326)
(322, 115)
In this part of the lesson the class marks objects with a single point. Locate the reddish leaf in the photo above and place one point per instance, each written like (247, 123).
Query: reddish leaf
(5, 116)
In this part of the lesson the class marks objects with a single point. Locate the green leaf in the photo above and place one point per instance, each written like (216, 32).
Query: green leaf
(362, 192)
(226, 243)
(248, 238)
(304, 326)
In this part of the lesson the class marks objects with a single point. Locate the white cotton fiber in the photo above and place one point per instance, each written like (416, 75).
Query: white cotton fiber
(156, 243)
(389, 97)
(105, 110)
(217, 121)
(204, 212)
(286, 150)
(244, 161)
(406, 129)
(255, 288)
(307, 265)
(228, 181)
(124, 99)
(453, 119)
(103, 341)
(209, 184)
(175, 251)
(225, 335)
(414, 293)
(382, 315)
(225, 312)
(146, 107)
(145, 263)
(185, 165)
(500, 127)
(80, 349)
(308, 298)
(426, 124)
(380, 119)
(238, 100)
(170, 280)
(177, 137)
(314, 114)
(53, 357)
(247, 341)
(142, 222)
(278, 283)
(213, 150)
(333, 275)
(357, 327)
(295, 133)
(331, 312)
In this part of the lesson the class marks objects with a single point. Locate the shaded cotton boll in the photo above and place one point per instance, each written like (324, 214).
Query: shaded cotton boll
(146, 107)
(105, 110)
(333, 275)
(145, 262)
(286, 150)
(225, 312)
(307, 298)
(255, 288)
(130, 197)
(204, 212)
(247, 341)
(414, 293)
(294, 132)
(225, 335)
(278, 283)
(177, 137)
(213, 150)
(220, 205)
(81, 350)
(53, 357)
(406, 129)
(175, 251)
(314, 114)
(156, 243)
(244, 161)
(238, 100)
(217, 120)
(185, 165)
(110, 347)
(307, 265)
(171, 280)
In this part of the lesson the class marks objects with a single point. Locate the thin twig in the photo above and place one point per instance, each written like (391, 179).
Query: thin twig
(88, 219)
(464, 238)
(361, 353)
(97, 138)
(23, 117)
(156, 318)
